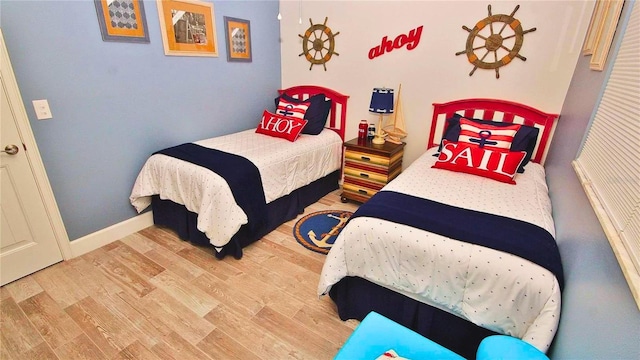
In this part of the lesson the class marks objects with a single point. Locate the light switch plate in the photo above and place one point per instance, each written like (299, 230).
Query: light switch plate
(42, 109)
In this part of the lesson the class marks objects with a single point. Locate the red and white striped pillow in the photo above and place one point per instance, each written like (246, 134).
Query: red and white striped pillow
(292, 109)
(487, 136)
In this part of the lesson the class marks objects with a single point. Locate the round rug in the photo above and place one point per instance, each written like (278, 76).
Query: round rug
(319, 230)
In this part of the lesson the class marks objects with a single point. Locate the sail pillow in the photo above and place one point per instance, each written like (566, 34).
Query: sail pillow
(525, 139)
(500, 165)
(316, 113)
(280, 126)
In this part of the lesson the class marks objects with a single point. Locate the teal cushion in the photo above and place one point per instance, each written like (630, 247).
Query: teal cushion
(377, 334)
(502, 347)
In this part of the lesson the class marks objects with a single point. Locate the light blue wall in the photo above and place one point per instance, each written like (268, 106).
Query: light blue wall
(600, 319)
(115, 103)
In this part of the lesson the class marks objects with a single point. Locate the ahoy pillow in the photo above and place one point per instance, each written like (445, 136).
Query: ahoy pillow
(280, 126)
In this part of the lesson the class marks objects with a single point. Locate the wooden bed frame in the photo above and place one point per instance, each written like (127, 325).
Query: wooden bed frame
(496, 110)
(179, 219)
(355, 297)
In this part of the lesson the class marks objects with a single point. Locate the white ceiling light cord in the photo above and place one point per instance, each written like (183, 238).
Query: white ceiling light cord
(299, 13)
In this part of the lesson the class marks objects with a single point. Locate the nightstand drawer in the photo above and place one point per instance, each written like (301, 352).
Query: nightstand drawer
(356, 190)
(362, 183)
(366, 167)
(383, 175)
(366, 158)
(368, 175)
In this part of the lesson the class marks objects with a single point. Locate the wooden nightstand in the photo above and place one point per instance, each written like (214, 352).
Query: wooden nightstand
(368, 167)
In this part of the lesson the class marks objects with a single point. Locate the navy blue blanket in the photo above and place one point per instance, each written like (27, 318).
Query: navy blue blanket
(240, 173)
(517, 237)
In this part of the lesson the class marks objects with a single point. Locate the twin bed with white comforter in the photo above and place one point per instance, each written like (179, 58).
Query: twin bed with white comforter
(431, 250)
(229, 206)
(283, 169)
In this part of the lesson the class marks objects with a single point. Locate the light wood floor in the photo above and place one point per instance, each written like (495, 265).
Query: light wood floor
(153, 296)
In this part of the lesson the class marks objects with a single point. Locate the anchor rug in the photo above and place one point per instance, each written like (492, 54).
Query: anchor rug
(319, 230)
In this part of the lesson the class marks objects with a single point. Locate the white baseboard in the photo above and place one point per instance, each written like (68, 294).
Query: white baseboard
(110, 234)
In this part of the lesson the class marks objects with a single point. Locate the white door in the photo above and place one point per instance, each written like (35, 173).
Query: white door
(27, 238)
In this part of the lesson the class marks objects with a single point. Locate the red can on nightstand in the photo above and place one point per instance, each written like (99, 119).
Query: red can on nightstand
(362, 130)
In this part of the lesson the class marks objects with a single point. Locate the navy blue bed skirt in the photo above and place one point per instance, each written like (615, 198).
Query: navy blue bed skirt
(355, 297)
(184, 222)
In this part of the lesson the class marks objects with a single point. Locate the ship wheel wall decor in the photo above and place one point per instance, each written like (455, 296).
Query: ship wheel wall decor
(484, 34)
(318, 44)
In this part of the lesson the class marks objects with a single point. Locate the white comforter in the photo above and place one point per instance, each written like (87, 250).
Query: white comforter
(284, 166)
(490, 288)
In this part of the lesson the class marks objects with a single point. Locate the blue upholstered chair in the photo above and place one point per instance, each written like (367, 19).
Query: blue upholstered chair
(376, 334)
(502, 347)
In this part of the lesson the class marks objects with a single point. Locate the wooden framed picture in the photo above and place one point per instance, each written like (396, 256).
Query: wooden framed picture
(122, 20)
(605, 36)
(238, 35)
(602, 29)
(595, 27)
(188, 28)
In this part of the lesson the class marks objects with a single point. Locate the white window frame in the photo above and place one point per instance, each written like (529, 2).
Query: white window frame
(608, 162)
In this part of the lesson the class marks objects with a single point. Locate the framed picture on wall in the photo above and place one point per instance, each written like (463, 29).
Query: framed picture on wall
(238, 36)
(605, 37)
(122, 20)
(602, 28)
(188, 28)
(595, 27)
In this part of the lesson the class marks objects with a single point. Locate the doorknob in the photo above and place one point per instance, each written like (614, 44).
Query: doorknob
(10, 149)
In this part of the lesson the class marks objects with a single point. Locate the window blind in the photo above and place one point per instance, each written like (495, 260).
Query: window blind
(608, 164)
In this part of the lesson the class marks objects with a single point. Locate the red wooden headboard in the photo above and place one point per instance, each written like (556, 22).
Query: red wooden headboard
(338, 115)
(496, 110)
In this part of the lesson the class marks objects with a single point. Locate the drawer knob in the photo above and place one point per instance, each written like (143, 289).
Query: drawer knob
(362, 191)
(365, 158)
(364, 175)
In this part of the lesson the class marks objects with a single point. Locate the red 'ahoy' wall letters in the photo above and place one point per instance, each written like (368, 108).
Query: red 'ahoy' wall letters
(411, 40)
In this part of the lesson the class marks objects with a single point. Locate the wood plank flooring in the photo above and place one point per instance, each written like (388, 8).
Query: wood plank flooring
(151, 295)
